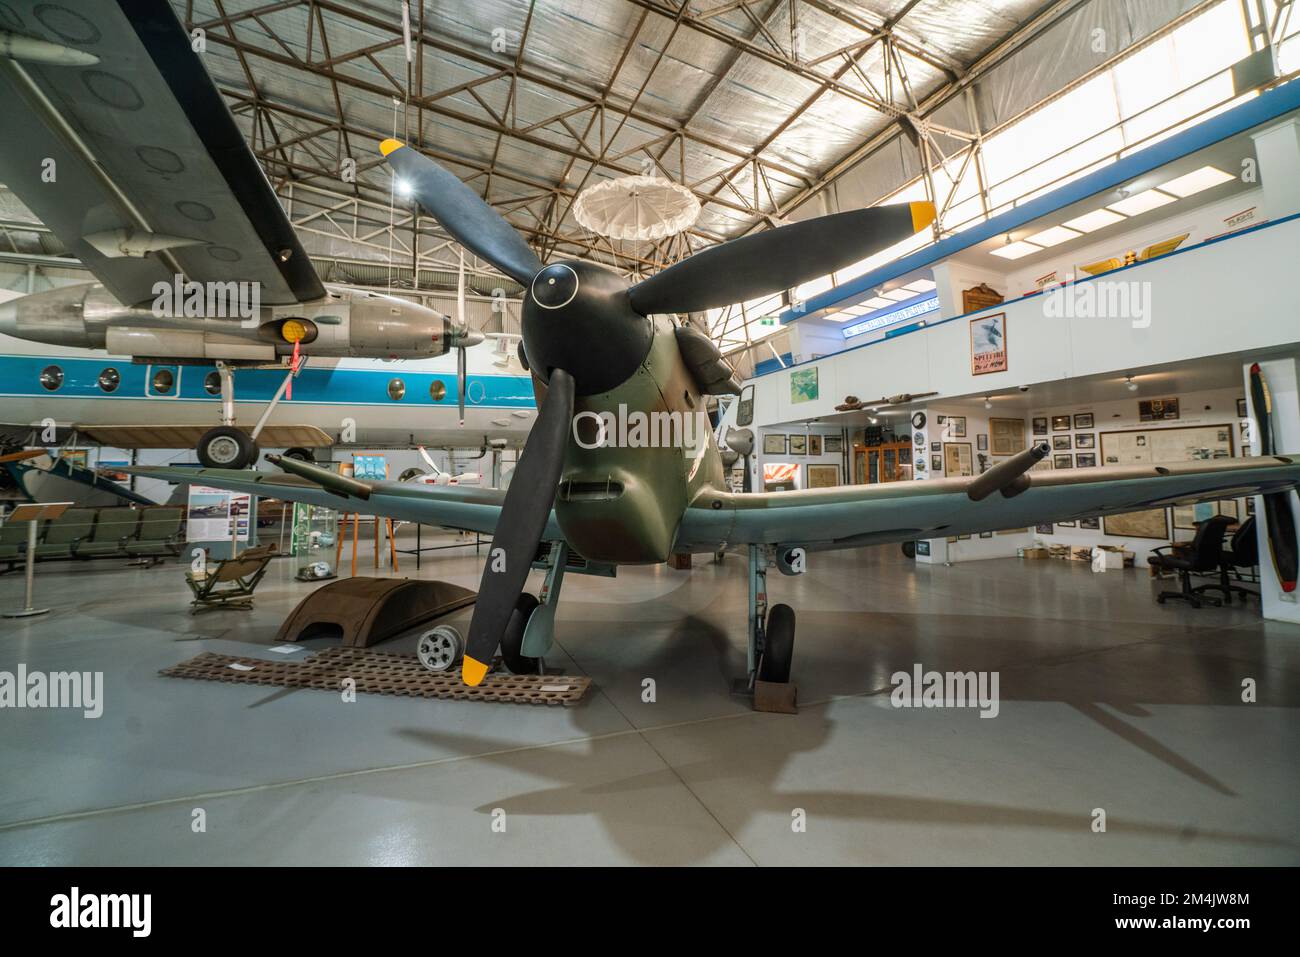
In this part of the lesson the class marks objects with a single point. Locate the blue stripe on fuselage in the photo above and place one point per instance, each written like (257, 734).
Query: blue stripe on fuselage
(21, 376)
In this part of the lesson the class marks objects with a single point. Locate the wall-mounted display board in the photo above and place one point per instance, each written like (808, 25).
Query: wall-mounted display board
(1186, 443)
(1007, 436)
(823, 476)
(957, 459)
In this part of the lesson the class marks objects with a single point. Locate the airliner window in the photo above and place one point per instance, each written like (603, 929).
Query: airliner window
(52, 377)
(163, 381)
(109, 380)
(437, 390)
(396, 389)
(212, 383)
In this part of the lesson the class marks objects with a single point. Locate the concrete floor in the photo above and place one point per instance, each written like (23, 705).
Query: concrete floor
(1108, 701)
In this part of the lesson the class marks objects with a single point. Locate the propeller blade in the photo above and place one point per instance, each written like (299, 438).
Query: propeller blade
(777, 259)
(519, 529)
(474, 223)
(460, 384)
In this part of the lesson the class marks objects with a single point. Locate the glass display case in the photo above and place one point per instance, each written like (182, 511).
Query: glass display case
(315, 536)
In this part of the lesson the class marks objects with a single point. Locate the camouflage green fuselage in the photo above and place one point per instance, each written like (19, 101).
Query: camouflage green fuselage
(622, 502)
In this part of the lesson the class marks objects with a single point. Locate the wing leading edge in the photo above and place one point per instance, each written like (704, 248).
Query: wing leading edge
(851, 516)
(472, 508)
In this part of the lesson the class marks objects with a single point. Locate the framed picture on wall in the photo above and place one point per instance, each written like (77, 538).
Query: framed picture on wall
(814, 445)
(1062, 462)
(834, 443)
(1085, 460)
(1085, 440)
(823, 476)
(982, 443)
(988, 344)
(1093, 523)
(986, 534)
(1040, 425)
(1148, 523)
(1242, 411)
(1060, 423)
(803, 385)
(1043, 529)
(774, 443)
(798, 445)
(936, 462)
(936, 446)
(1157, 410)
(1061, 443)
(957, 459)
(957, 426)
(1066, 524)
(1083, 420)
(1006, 436)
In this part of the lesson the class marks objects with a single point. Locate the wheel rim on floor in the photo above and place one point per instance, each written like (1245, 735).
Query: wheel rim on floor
(440, 648)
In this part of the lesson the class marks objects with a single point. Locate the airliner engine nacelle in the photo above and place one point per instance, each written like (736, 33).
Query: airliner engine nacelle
(346, 322)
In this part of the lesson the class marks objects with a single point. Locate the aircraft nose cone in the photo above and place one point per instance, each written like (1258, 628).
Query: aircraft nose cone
(9, 317)
(577, 317)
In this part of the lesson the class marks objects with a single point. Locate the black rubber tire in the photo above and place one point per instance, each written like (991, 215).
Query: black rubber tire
(909, 549)
(512, 639)
(778, 644)
(246, 448)
(301, 454)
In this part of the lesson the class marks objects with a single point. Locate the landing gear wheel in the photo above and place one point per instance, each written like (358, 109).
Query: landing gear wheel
(226, 447)
(512, 640)
(778, 645)
(440, 648)
(299, 453)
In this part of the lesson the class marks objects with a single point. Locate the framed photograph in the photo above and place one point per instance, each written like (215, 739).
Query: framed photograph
(1006, 436)
(834, 443)
(1157, 410)
(1061, 443)
(1148, 523)
(1242, 411)
(1060, 423)
(1085, 440)
(823, 476)
(988, 344)
(1043, 529)
(936, 462)
(774, 443)
(957, 459)
(798, 445)
(986, 534)
(1066, 524)
(1062, 462)
(1085, 460)
(803, 385)
(936, 446)
(918, 420)
(940, 419)
(957, 426)
(814, 445)
(1040, 426)
(920, 463)
(1083, 420)
(1093, 523)
(982, 443)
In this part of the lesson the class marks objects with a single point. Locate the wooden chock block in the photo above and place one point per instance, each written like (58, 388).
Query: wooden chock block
(777, 697)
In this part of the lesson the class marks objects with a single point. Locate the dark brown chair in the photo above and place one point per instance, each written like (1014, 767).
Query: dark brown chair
(1242, 552)
(1203, 555)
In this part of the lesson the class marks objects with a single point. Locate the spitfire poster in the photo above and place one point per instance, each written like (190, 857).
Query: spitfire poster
(988, 344)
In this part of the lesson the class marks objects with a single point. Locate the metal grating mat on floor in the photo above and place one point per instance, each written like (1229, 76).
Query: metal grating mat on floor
(379, 673)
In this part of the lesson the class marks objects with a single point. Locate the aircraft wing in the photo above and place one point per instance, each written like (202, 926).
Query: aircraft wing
(131, 144)
(469, 507)
(855, 515)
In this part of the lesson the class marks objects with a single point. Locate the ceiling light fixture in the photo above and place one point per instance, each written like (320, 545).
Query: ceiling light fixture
(1130, 384)
(1196, 181)
(1017, 250)
(1054, 236)
(1091, 222)
(1142, 202)
(988, 403)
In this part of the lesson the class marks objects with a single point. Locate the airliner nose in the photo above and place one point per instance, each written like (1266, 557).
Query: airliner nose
(9, 317)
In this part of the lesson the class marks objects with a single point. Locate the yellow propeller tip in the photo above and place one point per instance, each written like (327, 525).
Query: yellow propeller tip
(923, 214)
(473, 672)
(390, 144)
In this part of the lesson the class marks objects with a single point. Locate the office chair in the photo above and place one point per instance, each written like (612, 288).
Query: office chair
(1203, 555)
(1242, 552)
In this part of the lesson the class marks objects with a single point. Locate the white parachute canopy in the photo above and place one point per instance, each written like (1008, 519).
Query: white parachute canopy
(636, 207)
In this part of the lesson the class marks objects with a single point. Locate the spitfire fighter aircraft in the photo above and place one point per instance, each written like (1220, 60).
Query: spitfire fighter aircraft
(601, 351)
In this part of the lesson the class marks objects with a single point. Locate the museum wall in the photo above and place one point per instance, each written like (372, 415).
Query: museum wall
(796, 437)
(1247, 282)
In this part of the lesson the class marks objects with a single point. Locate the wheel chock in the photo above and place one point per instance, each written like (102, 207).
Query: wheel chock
(776, 697)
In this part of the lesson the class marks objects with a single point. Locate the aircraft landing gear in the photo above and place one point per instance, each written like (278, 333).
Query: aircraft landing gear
(771, 641)
(229, 447)
(512, 641)
(226, 447)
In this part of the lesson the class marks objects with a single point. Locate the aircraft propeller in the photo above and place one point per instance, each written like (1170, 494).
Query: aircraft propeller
(585, 332)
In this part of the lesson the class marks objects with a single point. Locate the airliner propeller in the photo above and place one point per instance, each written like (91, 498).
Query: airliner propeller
(585, 331)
